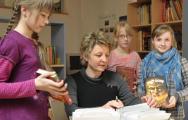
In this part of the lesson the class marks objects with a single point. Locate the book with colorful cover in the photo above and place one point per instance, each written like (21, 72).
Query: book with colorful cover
(156, 87)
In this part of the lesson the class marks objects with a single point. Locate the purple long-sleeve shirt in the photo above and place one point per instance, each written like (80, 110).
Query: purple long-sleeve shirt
(18, 97)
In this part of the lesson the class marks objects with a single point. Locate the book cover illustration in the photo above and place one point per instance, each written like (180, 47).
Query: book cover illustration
(155, 87)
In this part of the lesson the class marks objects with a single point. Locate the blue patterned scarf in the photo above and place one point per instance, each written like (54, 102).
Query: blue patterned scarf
(165, 65)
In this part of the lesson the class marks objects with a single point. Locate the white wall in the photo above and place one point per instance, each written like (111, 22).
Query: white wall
(72, 24)
(90, 10)
(93, 10)
(117, 7)
(4, 14)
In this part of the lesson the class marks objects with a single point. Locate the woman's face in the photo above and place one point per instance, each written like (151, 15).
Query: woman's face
(98, 59)
(36, 20)
(123, 40)
(162, 43)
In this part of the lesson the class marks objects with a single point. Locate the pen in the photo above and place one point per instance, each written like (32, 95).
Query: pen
(117, 99)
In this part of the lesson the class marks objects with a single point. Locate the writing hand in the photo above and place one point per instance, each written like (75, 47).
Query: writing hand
(113, 104)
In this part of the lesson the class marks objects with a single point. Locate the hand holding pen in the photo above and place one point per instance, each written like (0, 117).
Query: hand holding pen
(114, 104)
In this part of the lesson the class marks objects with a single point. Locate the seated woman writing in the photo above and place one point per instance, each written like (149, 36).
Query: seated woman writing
(94, 86)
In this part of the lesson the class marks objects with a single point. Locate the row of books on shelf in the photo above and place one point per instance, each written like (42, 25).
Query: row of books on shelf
(144, 14)
(52, 56)
(171, 10)
(145, 39)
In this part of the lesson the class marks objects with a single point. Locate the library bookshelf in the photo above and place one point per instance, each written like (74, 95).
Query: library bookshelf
(145, 15)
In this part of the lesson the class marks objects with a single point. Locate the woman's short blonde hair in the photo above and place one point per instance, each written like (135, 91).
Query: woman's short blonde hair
(88, 43)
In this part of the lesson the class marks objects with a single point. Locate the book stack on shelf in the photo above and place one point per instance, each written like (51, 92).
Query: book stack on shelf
(145, 15)
(52, 55)
(139, 17)
(171, 10)
(145, 38)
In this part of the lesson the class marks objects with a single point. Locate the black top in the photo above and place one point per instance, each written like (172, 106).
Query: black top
(88, 92)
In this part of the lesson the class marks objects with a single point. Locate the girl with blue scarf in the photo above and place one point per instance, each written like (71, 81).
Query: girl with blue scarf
(165, 61)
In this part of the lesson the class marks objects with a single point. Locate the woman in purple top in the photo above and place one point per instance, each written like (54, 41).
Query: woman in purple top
(23, 95)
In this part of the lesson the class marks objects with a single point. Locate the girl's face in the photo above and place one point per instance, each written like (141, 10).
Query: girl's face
(162, 43)
(36, 20)
(123, 40)
(98, 59)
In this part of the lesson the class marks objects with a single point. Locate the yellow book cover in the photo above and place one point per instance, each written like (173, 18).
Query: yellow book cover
(156, 87)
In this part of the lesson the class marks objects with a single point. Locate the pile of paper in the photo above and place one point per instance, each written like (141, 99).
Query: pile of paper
(142, 112)
(134, 112)
(95, 114)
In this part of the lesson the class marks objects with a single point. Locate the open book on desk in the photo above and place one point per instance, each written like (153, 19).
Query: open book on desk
(134, 112)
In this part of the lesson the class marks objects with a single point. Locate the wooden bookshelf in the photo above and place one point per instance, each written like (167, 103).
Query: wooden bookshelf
(58, 54)
(144, 15)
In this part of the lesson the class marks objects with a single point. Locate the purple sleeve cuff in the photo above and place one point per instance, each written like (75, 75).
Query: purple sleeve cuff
(17, 90)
